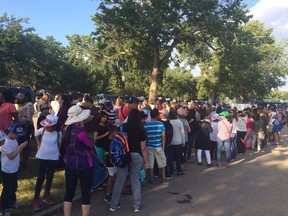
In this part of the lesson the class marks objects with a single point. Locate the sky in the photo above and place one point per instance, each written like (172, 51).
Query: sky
(59, 18)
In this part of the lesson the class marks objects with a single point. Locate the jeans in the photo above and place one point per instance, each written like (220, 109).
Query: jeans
(46, 170)
(134, 169)
(190, 145)
(174, 152)
(227, 146)
(8, 195)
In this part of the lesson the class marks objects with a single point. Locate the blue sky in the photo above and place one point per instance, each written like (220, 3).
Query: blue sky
(58, 18)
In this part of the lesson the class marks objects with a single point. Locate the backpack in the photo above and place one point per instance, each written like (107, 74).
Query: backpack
(119, 149)
(168, 131)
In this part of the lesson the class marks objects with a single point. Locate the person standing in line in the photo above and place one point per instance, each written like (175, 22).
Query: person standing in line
(55, 104)
(155, 131)
(202, 141)
(10, 161)
(25, 119)
(241, 131)
(78, 159)
(177, 142)
(224, 138)
(48, 140)
(138, 152)
(8, 112)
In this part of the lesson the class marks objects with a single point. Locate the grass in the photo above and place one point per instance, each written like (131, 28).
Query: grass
(26, 185)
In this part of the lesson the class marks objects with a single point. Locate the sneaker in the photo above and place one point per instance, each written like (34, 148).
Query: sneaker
(169, 177)
(107, 199)
(36, 204)
(166, 181)
(199, 163)
(136, 210)
(114, 209)
(210, 165)
(48, 199)
(15, 206)
(5, 213)
(180, 173)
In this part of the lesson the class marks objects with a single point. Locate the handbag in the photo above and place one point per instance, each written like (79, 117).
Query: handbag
(100, 173)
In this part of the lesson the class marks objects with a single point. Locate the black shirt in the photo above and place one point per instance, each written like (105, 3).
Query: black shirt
(101, 130)
(135, 136)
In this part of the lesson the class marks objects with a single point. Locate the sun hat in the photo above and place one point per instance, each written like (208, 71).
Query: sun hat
(224, 113)
(2, 135)
(181, 111)
(49, 121)
(133, 100)
(76, 114)
(164, 111)
(17, 129)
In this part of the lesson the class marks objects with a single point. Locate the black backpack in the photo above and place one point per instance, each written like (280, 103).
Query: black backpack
(168, 131)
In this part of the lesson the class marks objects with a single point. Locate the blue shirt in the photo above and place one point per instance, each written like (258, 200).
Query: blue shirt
(154, 130)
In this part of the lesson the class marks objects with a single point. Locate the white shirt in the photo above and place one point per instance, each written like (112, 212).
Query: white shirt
(9, 166)
(49, 146)
(178, 132)
(241, 124)
(55, 106)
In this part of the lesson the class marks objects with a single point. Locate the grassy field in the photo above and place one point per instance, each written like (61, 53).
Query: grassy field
(26, 186)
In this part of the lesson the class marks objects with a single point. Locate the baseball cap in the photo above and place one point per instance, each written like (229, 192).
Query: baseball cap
(2, 135)
(17, 129)
(132, 100)
(164, 111)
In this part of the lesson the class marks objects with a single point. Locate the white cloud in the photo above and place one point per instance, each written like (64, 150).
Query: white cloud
(274, 14)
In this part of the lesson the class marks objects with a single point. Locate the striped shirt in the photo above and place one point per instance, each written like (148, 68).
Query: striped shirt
(111, 116)
(154, 130)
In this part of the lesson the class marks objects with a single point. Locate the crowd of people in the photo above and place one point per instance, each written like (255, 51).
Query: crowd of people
(162, 137)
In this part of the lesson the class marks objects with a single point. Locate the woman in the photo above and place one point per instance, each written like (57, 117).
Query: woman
(202, 141)
(65, 104)
(44, 100)
(78, 159)
(101, 135)
(224, 138)
(241, 131)
(8, 112)
(258, 134)
(48, 140)
(137, 146)
(25, 116)
(178, 141)
(277, 127)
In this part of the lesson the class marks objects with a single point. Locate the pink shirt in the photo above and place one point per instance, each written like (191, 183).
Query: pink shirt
(6, 111)
(224, 130)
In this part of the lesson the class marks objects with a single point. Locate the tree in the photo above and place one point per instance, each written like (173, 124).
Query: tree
(149, 31)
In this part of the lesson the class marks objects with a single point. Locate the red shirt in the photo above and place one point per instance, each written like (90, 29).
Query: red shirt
(123, 113)
(6, 111)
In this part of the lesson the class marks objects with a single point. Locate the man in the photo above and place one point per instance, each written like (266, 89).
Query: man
(123, 112)
(155, 132)
(163, 114)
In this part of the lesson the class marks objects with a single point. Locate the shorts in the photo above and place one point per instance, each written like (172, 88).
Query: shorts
(112, 170)
(157, 154)
(277, 128)
(270, 127)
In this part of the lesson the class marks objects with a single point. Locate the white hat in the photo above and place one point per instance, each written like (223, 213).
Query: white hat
(49, 121)
(2, 135)
(164, 111)
(76, 114)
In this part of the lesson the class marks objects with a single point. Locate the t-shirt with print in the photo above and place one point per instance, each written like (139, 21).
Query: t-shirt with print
(49, 145)
(7, 165)
(106, 145)
(6, 111)
(154, 130)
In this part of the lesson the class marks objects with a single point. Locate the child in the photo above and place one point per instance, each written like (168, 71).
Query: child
(10, 160)
(42, 115)
(111, 168)
(48, 140)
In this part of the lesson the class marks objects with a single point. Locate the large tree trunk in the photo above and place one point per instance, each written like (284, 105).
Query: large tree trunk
(154, 75)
